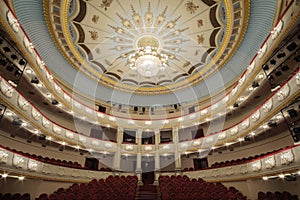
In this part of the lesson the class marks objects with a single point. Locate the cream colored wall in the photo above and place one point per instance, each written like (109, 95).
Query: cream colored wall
(272, 143)
(188, 162)
(32, 186)
(167, 164)
(128, 164)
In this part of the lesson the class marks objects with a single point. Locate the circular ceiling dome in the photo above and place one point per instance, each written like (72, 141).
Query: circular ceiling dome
(196, 37)
(208, 45)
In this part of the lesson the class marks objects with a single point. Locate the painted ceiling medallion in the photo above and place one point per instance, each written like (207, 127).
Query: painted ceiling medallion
(147, 52)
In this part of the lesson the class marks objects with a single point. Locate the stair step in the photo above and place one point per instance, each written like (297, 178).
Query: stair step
(147, 192)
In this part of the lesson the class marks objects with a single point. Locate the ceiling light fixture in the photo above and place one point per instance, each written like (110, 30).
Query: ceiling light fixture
(148, 59)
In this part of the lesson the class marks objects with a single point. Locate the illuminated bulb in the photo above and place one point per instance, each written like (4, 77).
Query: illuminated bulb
(100, 115)
(166, 121)
(148, 123)
(241, 139)
(265, 178)
(112, 119)
(298, 172)
(192, 116)
(63, 143)
(252, 133)
(28, 71)
(260, 76)
(242, 98)
(4, 175)
(251, 89)
(21, 178)
(49, 138)
(130, 122)
(77, 147)
(180, 119)
(281, 175)
(8, 114)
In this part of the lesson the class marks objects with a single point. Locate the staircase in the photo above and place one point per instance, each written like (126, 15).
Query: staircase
(147, 192)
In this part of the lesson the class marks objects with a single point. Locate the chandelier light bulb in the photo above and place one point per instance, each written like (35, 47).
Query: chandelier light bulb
(148, 60)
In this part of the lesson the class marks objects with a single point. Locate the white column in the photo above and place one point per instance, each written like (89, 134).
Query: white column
(176, 149)
(157, 157)
(139, 156)
(117, 157)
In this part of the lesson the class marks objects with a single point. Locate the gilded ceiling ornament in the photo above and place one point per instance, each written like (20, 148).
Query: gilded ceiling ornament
(106, 4)
(98, 51)
(200, 23)
(94, 35)
(95, 19)
(149, 16)
(200, 39)
(136, 17)
(191, 7)
(161, 18)
(125, 22)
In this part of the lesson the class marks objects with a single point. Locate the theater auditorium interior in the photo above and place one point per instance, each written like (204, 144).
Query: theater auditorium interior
(149, 99)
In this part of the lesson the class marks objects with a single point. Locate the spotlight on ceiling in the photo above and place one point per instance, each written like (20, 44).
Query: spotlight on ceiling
(54, 102)
(265, 67)
(17, 122)
(255, 84)
(292, 113)
(35, 80)
(236, 105)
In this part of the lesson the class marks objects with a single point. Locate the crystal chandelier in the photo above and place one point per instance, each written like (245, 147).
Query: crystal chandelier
(148, 60)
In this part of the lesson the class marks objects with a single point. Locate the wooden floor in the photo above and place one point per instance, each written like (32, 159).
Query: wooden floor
(147, 192)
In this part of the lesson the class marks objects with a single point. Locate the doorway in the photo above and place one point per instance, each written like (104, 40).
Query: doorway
(148, 174)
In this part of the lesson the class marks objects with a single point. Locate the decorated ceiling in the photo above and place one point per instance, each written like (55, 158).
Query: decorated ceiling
(202, 45)
(100, 36)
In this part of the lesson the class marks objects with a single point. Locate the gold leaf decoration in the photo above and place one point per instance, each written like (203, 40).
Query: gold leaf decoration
(106, 4)
(200, 39)
(94, 35)
(191, 7)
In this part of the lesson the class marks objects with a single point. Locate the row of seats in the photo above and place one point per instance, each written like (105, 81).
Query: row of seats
(47, 159)
(53, 161)
(235, 162)
(181, 187)
(276, 196)
(112, 188)
(242, 160)
(17, 196)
